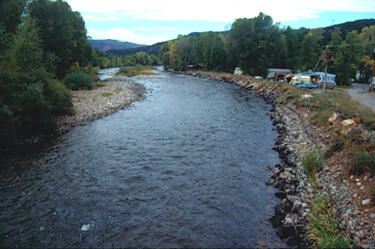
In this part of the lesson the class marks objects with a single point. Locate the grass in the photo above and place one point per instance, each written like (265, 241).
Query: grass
(118, 90)
(107, 94)
(312, 162)
(132, 71)
(99, 84)
(362, 159)
(323, 225)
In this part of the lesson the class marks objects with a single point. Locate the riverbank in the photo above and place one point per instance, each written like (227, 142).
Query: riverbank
(90, 105)
(346, 197)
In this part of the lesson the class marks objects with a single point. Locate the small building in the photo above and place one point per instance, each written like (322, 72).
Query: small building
(278, 74)
(238, 71)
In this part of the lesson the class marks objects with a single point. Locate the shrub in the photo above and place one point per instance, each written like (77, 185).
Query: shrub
(78, 80)
(373, 194)
(59, 97)
(135, 70)
(323, 226)
(338, 144)
(361, 159)
(312, 162)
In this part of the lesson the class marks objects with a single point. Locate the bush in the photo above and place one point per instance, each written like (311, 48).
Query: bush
(136, 70)
(312, 162)
(338, 144)
(373, 194)
(78, 80)
(323, 226)
(59, 97)
(361, 160)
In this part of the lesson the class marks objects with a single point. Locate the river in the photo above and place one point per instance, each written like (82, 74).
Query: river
(186, 167)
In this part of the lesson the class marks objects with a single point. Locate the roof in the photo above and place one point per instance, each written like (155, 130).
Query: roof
(279, 70)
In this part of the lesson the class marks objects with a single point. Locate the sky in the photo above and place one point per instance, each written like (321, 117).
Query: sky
(151, 21)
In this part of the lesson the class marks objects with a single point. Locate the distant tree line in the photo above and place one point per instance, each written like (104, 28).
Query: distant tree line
(104, 60)
(256, 44)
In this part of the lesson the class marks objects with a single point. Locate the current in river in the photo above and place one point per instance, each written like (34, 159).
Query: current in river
(185, 167)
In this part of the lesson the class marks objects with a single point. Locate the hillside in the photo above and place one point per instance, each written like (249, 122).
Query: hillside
(105, 45)
(344, 27)
(151, 49)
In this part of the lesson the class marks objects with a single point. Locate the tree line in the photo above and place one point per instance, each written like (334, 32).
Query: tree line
(256, 44)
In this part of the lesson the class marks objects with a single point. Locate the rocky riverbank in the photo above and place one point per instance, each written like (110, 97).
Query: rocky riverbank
(297, 135)
(90, 105)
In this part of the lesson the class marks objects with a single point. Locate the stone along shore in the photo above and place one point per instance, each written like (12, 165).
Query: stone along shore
(90, 105)
(296, 136)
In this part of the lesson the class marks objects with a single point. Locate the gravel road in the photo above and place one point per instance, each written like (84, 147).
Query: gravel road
(360, 93)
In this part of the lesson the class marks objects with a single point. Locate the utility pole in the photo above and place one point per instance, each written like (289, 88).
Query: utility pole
(328, 53)
(373, 74)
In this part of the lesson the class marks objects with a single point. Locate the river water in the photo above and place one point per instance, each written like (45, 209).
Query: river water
(186, 167)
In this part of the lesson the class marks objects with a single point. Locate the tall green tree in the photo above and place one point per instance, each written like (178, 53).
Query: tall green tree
(63, 33)
(311, 49)
(10, 14)
(252, 43)
(347, 58)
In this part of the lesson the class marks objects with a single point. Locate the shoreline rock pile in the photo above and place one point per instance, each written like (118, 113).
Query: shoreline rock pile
(296, 137)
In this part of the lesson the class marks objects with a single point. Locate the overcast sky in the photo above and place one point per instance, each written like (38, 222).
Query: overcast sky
(151, 21)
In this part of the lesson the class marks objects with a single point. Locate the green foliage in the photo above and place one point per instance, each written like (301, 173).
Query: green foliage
(26, 51)
(10, 14)
(254, 40)
(361, 159)
(62, 32)
(311, 48)
(323, 226)
(59, 97)
(78, 80)
(338, 144)
(312, 162)
(347, 58)
(135, 70)
(373, 194)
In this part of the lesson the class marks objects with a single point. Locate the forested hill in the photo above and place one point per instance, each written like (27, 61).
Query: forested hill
(105, 45)
(347, 27)
(344, 28)
(152, 49)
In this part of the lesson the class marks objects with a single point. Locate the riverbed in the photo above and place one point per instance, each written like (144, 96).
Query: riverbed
(186, 167)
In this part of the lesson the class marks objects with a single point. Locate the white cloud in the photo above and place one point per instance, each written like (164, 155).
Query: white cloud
(122, 34)
(218, 10)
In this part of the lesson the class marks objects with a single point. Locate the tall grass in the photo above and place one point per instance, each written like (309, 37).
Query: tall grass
(323, 225)
(132, 71)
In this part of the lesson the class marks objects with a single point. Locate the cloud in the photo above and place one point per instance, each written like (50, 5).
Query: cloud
(217, 10)
(122, 34)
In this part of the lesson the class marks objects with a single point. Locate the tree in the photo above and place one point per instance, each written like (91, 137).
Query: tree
(251, 41)
(62, 33)
(26, 51)
(347, 58)
(10, 14)
(311, 48)
(367, 37)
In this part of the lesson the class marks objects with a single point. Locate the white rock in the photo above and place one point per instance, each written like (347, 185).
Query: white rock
(87, 227)
(335, 116)
(366, 202)
(348, 123)
(306, 96)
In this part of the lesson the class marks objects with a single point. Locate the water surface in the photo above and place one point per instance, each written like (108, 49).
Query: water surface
(184, 168)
